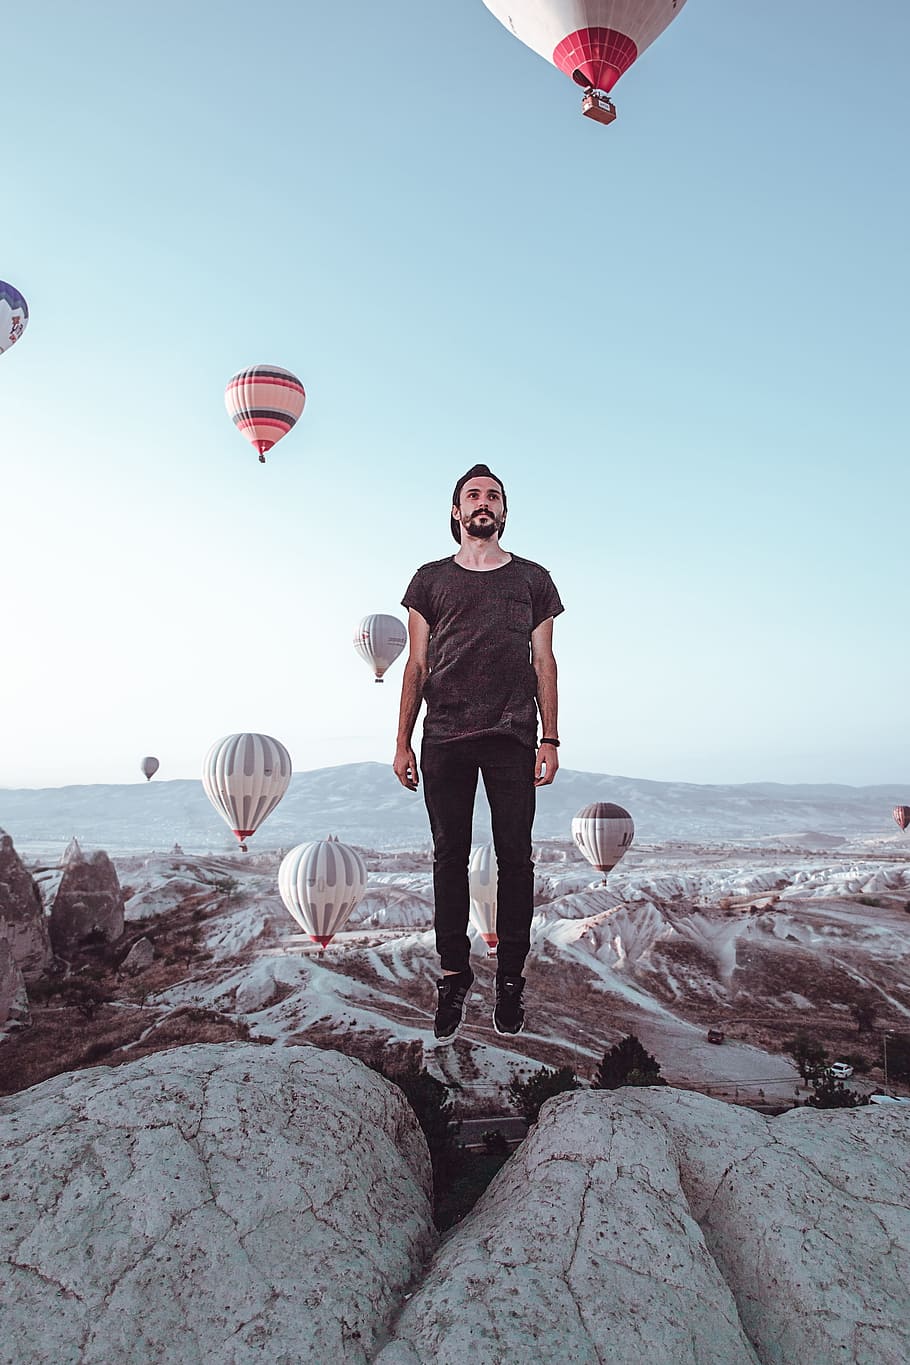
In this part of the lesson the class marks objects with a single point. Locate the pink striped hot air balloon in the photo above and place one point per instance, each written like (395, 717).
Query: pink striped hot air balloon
(264, 402)
(593, 41)
(902, 817)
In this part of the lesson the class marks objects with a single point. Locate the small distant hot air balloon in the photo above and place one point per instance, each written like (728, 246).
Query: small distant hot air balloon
(483, 884)
(902, 816)
(603, 833)
(149, 767)
(321, 883)
(245, 776)
(13, 316)
(593, 41)
(379, 640)
(264, 402)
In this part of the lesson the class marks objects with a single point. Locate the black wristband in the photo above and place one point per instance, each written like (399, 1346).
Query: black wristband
(554, 742)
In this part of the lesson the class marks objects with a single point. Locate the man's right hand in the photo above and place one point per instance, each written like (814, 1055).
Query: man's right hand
(405, 768)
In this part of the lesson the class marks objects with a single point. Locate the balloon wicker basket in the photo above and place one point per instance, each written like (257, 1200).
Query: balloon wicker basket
(599, 107)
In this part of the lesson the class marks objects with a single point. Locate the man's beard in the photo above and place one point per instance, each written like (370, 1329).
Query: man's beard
(483, 532)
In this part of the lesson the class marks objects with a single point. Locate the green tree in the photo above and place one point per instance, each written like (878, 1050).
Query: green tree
(529, 1096)
(832, 1094)
(627, 1063)
(807, 1053)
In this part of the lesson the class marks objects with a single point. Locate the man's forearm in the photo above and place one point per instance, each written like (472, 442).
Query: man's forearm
(547, 699)
(412, 686)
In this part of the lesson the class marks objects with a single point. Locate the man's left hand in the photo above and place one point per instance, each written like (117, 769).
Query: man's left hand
(546, 766)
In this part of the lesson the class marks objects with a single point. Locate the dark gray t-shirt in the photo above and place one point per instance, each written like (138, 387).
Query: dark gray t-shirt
(481, 680)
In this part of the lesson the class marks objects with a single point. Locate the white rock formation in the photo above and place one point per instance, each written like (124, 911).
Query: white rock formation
(139, 957)
(21, 907)
(225, 1203)
(807, 1218)
(659, 1225)
(583, 1250)
(234, 1203)
(13, 996)
(89, 901)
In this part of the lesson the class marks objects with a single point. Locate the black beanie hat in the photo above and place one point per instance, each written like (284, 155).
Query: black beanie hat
(472, 474)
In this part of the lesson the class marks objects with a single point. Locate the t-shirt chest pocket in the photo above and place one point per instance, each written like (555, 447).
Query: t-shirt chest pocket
(518, 614)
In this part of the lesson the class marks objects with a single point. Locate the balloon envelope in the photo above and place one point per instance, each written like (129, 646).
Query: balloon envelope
(603, 833)
(902, 816)
(13, 316)
(245, 776)
(593, 41)
(483, 885)
(379, 640)
(320, 884)
(149, 767)
(264, 402)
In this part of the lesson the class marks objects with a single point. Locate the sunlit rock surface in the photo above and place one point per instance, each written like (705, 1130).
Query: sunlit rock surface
(21, 907)
(807, 1217)
(223, 1203)
(660, 1225)
(583, 1250)
(89, 902)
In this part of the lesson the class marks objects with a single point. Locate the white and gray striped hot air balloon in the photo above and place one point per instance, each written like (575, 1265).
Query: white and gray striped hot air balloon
(13, 315)
(603, 833)
(379, 640)
(483, 884)
(320, 884)
(149, 766)
(245, 776)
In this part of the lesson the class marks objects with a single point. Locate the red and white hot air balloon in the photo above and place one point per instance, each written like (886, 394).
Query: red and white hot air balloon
(264, 402)
(603, 832)
(902, 816)
(321, 883)
(483, 884)
(593, 41)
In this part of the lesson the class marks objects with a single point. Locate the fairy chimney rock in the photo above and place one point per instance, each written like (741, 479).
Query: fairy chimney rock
(21, 907)
(88, 904)
(13, 999)
(73, 851)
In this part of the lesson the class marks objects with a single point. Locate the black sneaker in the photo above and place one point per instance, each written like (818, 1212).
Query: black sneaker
(453, 992)
(508, 1012)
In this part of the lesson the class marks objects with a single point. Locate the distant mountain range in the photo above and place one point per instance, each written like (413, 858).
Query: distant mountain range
(364, 804)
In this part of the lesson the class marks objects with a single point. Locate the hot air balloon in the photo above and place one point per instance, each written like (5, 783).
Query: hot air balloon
(483, 884)
(902, 816)
(593, 41)
(264, 403)
(149, 767)
(245, 776)
(13, 316)
(379, 640)
(321, 883)
(603, 833)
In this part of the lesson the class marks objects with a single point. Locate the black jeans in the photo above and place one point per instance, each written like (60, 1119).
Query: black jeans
(449, 787)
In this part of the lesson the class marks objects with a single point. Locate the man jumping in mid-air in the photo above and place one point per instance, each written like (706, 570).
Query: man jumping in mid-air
(481, 656)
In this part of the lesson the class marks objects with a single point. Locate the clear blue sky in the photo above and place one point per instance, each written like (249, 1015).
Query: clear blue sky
(681, 341)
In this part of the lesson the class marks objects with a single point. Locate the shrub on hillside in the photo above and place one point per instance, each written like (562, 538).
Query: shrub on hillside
(807, 1053)
(627, 1063)
(832, 1094)
(529, 1096)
